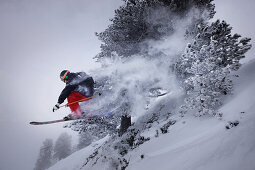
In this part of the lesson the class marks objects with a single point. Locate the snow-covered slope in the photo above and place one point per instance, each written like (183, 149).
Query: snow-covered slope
(77, 159)
(195, 143)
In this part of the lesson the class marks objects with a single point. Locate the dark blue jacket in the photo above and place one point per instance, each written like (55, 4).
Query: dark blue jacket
(77, 82)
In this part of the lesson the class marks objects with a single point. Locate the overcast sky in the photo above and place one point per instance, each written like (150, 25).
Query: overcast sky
(40, 38)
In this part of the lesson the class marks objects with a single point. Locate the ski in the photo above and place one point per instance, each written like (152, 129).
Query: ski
(62, 120)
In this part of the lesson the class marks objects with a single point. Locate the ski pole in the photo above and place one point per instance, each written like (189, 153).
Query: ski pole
(66, 105)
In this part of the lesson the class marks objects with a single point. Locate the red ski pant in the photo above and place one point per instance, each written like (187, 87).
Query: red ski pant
(75, 107)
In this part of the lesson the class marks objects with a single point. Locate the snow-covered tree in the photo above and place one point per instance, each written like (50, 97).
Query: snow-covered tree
(207, 82)
(140, 20)
(206, 64)
(85, 139)
(229, 49)
(62, 147)
(45, 155)
(135, 23)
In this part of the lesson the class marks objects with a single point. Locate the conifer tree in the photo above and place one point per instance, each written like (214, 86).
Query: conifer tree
(140, 20)
(62, 147)
(85, 139)
(45, 155)
(134, 23)
(206, 64)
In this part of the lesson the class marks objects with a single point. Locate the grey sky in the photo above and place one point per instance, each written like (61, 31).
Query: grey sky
(38, 39)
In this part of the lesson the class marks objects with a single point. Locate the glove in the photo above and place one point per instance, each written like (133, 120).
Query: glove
(56, 107)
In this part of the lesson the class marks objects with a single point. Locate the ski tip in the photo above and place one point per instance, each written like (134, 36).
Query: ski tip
(32, 123)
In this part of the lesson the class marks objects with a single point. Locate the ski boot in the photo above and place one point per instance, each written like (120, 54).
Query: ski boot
(68, 117)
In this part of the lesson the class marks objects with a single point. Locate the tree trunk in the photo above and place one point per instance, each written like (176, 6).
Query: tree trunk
(125, 123)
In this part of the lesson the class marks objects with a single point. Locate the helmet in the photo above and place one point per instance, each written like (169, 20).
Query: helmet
(64, 75)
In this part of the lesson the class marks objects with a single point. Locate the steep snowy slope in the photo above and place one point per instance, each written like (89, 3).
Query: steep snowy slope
(205, 144)
(195, 143)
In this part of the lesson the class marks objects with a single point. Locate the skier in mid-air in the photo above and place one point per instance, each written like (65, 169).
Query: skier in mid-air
(79, 87)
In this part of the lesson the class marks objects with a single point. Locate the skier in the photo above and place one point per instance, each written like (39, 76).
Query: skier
(79, 86)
